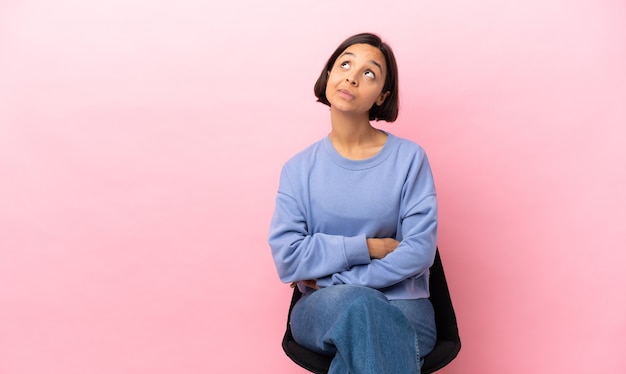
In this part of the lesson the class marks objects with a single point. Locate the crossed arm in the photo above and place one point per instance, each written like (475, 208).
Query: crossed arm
(378, 248)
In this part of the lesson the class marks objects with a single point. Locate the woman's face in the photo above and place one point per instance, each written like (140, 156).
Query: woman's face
(356, 80)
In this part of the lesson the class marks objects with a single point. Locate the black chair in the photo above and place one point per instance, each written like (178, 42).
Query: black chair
(446, 348)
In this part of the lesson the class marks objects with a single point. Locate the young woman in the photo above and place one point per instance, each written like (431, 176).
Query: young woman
(355, 224)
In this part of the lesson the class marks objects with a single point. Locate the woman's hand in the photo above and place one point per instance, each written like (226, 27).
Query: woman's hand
(381, 247)
(311, 283)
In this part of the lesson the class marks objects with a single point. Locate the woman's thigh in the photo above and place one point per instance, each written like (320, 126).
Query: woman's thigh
(315, 313)
(421, 315)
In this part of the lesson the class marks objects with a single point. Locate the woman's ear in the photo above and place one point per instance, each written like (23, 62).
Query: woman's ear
(382, 97)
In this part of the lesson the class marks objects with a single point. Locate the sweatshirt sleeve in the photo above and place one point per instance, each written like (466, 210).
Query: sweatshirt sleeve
(417, 233)
(300, 255)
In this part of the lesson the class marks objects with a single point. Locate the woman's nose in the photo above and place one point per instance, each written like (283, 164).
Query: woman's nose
(351, 80)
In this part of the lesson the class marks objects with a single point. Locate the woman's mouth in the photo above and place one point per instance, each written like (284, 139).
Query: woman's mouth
(345, 94)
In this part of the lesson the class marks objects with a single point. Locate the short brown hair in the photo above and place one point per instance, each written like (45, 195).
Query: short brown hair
(388, 111)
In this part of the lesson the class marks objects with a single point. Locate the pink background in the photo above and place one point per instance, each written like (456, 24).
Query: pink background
(141, 142)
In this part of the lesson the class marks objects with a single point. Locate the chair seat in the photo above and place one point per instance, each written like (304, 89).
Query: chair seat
(444, 352)
(312, 361)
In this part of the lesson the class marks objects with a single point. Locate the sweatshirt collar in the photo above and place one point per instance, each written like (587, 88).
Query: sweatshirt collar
(367, 163)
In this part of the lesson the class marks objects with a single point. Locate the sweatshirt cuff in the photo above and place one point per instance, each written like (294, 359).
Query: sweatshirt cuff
(325, 282)
(356, 251)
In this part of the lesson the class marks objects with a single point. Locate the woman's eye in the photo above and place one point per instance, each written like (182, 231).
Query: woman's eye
(370, 74)
(345, 65)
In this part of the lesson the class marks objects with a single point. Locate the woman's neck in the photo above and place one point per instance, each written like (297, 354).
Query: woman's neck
(354, 137)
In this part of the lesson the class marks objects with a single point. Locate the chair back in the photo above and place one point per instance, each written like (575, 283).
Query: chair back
(448, 342)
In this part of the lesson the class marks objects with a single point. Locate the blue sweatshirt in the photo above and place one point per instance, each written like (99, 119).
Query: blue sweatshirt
(328, 205)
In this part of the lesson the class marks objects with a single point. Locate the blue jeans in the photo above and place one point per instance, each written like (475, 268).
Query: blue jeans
(364, 331)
